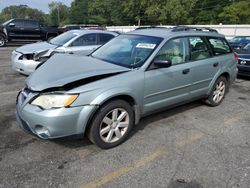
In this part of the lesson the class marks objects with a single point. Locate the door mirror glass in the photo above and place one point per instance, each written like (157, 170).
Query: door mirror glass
(11, 25)
(162, 63)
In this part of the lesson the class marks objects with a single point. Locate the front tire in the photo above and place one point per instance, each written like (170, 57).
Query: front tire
(218, 93)
(2, 40)
(111, 124)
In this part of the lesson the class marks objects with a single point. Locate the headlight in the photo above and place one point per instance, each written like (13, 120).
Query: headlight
(54, 101)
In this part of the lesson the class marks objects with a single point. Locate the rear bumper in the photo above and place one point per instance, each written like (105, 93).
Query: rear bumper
(234, 74)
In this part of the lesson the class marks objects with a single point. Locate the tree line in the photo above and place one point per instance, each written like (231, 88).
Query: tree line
(136, 12)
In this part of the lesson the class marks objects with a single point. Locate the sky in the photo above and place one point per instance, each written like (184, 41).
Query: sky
(38, 4)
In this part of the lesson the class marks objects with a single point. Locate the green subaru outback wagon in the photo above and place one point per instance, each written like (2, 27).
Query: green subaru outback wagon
(105, 94)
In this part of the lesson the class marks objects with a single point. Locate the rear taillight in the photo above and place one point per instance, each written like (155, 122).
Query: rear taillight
(236, 57)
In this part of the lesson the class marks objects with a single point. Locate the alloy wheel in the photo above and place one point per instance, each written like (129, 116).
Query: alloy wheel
(219, 91)
(2, 41)
(114, 125)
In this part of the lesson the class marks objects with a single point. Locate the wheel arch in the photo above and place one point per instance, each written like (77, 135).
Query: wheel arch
(224, 74)
(125, 97)
(3, 34)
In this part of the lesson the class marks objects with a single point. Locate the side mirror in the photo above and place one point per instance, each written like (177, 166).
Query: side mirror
(11, 25)
(162, 63)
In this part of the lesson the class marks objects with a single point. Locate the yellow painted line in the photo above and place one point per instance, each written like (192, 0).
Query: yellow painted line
(119, 172)
(191, 138)
(137, 164)
(231, 121)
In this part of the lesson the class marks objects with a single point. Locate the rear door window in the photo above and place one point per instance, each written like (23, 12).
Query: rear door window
(85, 40)
(219, 46)
(103, 38)
(31, 24)
(198, 49)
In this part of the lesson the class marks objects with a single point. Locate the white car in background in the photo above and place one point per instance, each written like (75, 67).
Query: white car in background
(26, 59)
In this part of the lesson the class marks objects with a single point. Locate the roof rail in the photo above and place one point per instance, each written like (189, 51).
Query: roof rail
(151, 27)
(186, 28)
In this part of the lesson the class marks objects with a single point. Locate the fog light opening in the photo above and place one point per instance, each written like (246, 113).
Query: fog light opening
(42, 131)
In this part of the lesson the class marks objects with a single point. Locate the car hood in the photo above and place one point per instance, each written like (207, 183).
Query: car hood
(36, 47)
(244, 54)
(63, 69)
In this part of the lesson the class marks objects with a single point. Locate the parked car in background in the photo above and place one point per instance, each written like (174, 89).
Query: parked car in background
(239, 42)
(28, 58)
(26, 29)
(244, 60)
(92, 27)
(70, 27)
(104, 94)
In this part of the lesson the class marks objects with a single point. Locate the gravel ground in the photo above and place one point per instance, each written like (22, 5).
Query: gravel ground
(191, 146)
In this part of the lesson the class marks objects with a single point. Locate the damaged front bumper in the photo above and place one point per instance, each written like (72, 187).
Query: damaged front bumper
(24, 63)
(53, 123)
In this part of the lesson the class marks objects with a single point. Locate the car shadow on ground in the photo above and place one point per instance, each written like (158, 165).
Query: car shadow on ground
(75, 141)
(82, 141)
(164, 114)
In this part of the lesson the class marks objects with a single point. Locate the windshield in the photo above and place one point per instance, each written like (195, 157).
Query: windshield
(128, 50)
(5, 23)
(63, 38)
(247, 47)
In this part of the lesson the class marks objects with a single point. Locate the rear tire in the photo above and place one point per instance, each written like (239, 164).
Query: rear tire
(218, 92)
(112, 124)
(2, 40)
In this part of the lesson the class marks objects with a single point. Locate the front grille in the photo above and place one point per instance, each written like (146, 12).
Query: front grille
(24, 94)
(23, 124)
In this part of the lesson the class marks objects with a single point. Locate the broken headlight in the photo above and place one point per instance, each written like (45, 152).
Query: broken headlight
(39, 55)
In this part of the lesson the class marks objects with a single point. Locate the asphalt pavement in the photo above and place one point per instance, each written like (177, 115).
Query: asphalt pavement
(191, 146)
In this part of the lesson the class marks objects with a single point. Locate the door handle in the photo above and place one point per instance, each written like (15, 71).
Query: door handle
(71, 52)
(22, 28)
(185, 71)
(215, 64)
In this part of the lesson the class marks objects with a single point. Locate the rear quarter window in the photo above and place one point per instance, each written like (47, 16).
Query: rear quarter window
(219, 46)
(199, 48)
